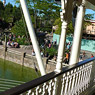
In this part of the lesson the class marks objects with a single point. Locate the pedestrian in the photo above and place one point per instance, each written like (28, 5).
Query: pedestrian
(80, 59)
(83, 55)
(67, 58)
(42, 54)
(92, 55)
(33, 52)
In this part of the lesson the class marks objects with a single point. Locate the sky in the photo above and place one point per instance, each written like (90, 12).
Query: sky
(10, 1)
(88, 11)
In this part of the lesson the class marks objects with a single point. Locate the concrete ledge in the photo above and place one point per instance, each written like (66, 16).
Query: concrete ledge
(25, 59)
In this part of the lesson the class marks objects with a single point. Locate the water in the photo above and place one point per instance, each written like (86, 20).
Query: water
(13, 71)
(12, 74)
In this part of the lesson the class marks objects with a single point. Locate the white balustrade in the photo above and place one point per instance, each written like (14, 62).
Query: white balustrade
(73, 82)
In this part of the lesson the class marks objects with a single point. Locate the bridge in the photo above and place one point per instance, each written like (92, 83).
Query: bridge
(76, 79)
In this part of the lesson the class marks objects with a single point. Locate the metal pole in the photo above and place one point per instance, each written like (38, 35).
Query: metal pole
(32, 36)
(77, 36)
(5, 46)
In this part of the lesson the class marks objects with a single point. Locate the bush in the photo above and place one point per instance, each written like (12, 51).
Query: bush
(22, 41)
(51, 51)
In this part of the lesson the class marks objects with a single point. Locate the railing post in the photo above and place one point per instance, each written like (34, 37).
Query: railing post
(77, 36)
(5, 46)
(92, 76)
(61, 49)
(22, 58)
(32, 36)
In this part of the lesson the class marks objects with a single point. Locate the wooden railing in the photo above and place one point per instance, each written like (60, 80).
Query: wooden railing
(73, 80)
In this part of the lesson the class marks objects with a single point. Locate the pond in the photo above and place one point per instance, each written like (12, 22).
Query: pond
(13, 71)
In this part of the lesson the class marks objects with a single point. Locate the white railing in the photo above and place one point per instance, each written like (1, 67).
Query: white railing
(73, 80)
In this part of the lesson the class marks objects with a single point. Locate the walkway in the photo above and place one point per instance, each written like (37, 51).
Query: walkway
(20, 50)
(88, 53)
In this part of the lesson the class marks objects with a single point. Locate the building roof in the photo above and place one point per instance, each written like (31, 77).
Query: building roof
(92, 21)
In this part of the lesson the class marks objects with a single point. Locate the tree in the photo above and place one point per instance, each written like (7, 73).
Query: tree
(18, 28)
(3, 23)
(16, 13)
(58, 23)
(8, 17)
(1, 10)
(70, 28)
(48, 12)
(87, 17)
(44, 12)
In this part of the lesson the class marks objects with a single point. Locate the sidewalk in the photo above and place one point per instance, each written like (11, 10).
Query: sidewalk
(87, 53)
(20, 50)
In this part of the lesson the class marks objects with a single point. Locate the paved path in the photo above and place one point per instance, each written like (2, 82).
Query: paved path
(87, 53)
(20, 50)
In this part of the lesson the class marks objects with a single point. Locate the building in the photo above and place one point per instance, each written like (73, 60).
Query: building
(90, 29)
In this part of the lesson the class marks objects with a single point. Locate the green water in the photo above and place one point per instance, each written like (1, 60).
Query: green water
(13, 71)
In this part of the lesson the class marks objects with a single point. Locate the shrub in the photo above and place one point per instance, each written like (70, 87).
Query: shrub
(51, 51)
(22, 41)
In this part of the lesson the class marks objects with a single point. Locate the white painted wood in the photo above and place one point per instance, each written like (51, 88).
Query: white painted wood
(61, 47)
(75, 52)
(32, 36)
(73, 82)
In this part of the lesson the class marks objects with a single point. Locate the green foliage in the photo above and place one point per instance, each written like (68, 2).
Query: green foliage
(52, 51)
(8, 17)
(12, 14)
(58, 24)
(22, 41)
(16, 13)
(18, 28)
(89, 16)
(1, 10)
(86, 23)
(49, 29)
(70, 28)
(44, 12)
(48, 13)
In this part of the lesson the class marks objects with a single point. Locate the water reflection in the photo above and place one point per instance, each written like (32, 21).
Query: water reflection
(13, 71)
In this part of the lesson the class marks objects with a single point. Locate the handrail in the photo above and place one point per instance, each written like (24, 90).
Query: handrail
(29, 85)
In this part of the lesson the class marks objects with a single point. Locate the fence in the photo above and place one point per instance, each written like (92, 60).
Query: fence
(73, 80)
